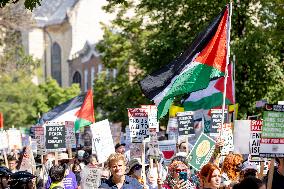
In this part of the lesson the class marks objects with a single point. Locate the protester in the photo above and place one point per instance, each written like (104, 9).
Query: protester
(210, 176)
(23, 180)
(120, 148)
(173, 180)
(69, 179)
(278, 176)
(13, 163)
(5, 174)
(250, 183)
(249, 169)
(117, 165)
(57, 174)
(76, 169)
(135, 170)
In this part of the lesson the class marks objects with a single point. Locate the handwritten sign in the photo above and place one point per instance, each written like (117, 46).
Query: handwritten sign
(91, 177)
(70, 134)
(102, 141)
(138, 124)
(185, 123)
(55, 137)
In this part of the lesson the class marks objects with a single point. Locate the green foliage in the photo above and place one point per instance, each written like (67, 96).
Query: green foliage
(29, 4)
(159, 30)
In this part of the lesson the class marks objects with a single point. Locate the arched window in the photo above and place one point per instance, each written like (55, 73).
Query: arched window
(77, 78)
(56, 63)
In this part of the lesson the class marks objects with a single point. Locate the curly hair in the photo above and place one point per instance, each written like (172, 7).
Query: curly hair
(115, 157)
(230, 164)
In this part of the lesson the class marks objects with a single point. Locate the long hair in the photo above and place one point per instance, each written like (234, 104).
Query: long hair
(207, 171)
(230, 164)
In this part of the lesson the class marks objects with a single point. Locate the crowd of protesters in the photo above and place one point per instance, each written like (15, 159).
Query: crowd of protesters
(232, 172)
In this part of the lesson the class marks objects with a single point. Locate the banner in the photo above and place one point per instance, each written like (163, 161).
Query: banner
(168, 148)
(138, 124)
(55, 137)
(91, 177)
(201, 152)
(152, 112)
(102, 142)
(242, 133)
(255, 136)
(70, 134)
(15, 139)
(185, 123)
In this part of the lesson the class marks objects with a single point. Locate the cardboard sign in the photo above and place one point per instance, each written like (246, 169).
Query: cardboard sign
(138, 124)
(136, 150)
(242, 133)
(55, 137)
(15, 139)
(216, 119)
(102, 142)
(91, 177)
(201, 152)
(39, 137)
(4, 140)
(168, 148)
(152, 116)
(70, 134)
(185, 123)
(255, 136)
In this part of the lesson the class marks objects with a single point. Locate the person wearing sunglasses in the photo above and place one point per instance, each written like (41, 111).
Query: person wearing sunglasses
(135, 170)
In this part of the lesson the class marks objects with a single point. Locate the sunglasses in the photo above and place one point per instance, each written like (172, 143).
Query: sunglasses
(137, 167)
(180, 170)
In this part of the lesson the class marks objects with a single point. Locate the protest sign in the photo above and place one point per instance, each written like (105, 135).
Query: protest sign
(102, 142)
(216, 119)
(28, 162)
(153, 145)
(4, 140)
(185, 123)
(152, 112)
(12, 135)
(168, 148)
(70, 134)
(228, 139)
(91, 177)
(172, 128)
(55, 136)
(26, 140)
(39, 137)
(255, 136)
(34, 146)
(241, 133)
(201, 152)
(116, 132)
(272, 137)
(138, 124)
(86, 137)
(136, 150)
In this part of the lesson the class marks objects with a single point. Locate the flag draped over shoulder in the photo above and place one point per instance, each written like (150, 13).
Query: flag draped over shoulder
(212, 96)
(202, 62)
(86, 113)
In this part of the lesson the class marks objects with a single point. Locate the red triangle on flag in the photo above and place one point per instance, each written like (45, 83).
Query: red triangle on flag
(87, 109)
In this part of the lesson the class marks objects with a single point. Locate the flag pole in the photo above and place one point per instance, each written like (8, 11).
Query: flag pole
(226, 69)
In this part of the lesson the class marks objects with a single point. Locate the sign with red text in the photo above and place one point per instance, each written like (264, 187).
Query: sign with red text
(70, 134)
(255, 137)
(138, 124)
(39, 137)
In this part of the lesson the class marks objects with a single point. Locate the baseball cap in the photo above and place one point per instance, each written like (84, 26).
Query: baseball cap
(249, 165)
(118, 145)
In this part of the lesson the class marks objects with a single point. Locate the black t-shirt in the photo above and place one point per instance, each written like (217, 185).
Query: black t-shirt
(278, 180)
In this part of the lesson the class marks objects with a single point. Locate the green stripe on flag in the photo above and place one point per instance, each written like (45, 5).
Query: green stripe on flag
(81, 123)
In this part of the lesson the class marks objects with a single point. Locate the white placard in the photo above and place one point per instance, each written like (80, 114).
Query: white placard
(228, 139)
(4, 140)
(168, 148)
(15, 139)
(241, 133)
(138, 124)
(255, 137)
(91, 177)
(102, 140)
(152, 111)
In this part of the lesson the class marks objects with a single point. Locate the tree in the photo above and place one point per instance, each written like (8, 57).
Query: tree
(29, 4)
(159, 30)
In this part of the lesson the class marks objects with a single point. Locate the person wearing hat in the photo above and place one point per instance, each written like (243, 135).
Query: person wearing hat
(249, 169)
(120, 148)
(5, 174)
(69, 180)
(22, 179)
(135, 170)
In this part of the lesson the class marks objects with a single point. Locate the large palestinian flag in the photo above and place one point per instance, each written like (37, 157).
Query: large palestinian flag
(79, 109)
(212, 96)
(202, 62)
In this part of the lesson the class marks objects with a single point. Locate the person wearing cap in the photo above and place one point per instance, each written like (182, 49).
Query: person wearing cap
(120, 148)
(135, 170)
(117, 165)
(69, 180)
(22, 179)
(5, 174)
